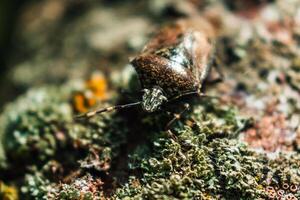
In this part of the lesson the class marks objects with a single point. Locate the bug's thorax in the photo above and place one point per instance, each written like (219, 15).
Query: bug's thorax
(152, 99)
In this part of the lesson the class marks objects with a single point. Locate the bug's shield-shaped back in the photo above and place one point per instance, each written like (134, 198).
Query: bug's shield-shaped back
(176, 60)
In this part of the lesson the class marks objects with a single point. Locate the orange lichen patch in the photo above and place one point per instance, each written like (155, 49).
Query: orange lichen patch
(79, 104)
(95, 90)
(270, 133)
(98, 85)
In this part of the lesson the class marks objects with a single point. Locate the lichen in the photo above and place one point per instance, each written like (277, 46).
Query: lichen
(84, 188)
(240, 142)
(33, 124)
(8, 192)
(36, 187)
(197, 162)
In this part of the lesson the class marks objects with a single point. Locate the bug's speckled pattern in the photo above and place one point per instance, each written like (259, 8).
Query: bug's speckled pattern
(158, 71)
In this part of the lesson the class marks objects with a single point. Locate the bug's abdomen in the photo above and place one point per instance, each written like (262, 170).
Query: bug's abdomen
(171, 76)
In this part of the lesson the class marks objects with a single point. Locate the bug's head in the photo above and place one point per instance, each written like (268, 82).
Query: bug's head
(152, 99)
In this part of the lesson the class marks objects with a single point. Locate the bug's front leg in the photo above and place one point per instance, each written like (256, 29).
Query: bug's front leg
(216, 74)
(217, 67)
(176, 116)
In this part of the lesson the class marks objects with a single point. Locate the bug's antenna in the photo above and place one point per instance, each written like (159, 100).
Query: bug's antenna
(199, 94)
(111, 108)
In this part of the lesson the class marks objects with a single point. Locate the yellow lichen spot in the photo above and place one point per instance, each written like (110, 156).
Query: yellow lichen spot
(260, 187)
(8, 192)
(91, 102)
(95, 90)
(98, 85)
(79, 103)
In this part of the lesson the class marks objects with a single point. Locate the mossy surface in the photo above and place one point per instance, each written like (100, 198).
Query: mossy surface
(241, 144)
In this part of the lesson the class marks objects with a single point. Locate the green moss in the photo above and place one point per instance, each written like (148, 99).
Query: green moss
(39, 131)
(31, 125)
(126, 154)
(84, 188)
(40, 126)
(207, 161)
(36, 187)
(197, 162)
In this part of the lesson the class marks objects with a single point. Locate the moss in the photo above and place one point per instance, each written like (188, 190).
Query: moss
(83, 188)
(197, 162)
(208, 161)
(32, 124)
(36, 186)
(127, 154)
(204, 159)
(41, 123)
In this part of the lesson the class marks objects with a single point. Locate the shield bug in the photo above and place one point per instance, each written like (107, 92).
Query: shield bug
(174, 63)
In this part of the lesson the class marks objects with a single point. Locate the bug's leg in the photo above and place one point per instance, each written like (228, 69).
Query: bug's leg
(191, 122)
(218, 65)
(216, 68)
(177, 116)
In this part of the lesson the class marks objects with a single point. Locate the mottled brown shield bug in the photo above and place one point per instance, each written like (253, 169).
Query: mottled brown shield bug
(174, 63)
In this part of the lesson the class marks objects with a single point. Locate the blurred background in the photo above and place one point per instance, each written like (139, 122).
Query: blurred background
(9, 12)
(51, 41)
